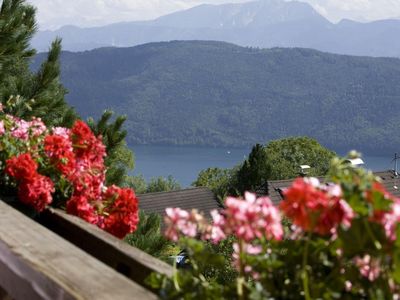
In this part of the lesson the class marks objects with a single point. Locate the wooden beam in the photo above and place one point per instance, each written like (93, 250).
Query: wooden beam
(129, 261)
(35, 263)
(4, 295)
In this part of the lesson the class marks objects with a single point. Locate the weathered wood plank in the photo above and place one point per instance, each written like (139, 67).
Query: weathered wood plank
(35, 263)
(4, 295)
(130, 261)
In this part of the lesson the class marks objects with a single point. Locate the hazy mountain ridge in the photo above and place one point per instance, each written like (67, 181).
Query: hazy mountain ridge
(240, 15)
(213, 93)
(263, 23)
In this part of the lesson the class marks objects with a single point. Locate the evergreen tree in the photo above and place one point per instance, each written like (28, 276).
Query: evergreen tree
(17, 26)
(119, 158)
(254, 170)
(35, 94)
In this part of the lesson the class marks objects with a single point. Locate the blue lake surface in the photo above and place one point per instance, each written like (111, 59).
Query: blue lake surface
(184, 163)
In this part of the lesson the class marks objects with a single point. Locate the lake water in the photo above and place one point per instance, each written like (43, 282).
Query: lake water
(184, 163)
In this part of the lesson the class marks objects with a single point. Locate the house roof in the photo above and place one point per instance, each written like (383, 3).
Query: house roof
(273, 188)
(204, 201)
(390, 181)
(200, 198)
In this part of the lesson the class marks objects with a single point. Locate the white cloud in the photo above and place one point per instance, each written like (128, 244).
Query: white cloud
(55, 13)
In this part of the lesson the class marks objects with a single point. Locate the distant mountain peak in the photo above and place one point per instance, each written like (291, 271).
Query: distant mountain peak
(258, 13)
(262, 23)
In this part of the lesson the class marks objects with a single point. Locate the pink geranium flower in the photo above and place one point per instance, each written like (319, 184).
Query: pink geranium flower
(20, 129)
(369, 267)
(251, 218)
(247, 219)
(2, 128)
(391, 219)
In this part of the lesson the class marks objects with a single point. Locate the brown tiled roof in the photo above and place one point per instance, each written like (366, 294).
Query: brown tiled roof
(272, 188)
(200, 198)
(390, 181)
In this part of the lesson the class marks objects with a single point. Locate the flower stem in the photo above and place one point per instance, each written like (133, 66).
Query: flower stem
(240, 279)
(377, 244)
(304, 273)
(175, 277)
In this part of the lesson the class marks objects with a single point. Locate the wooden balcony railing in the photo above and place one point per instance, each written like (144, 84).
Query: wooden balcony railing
(66, 258)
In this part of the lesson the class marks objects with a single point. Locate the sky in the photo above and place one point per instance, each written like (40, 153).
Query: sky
(53, 14)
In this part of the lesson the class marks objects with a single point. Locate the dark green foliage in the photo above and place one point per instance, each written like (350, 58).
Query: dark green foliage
(214, 93)
(162, 184)
(202, 280)
(120, 159)
(227, 272)
(155, 185)
(220, 181)
(280, 159)
(17, 26)
(254, 171)
(284, 157)
(148, 235)
(48, 92)
(38, 94)
(137, 183)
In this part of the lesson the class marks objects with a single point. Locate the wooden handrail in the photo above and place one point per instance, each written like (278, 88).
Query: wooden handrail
(127, 260)
(36, 263)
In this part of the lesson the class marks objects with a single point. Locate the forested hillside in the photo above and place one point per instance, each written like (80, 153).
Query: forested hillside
(214, 93)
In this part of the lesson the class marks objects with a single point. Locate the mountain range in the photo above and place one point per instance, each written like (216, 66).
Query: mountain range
(215, 93)
(262, 23)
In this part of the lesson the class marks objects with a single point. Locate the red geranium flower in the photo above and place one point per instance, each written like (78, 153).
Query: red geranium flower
(59, 150)
(79, 206)
(21, 167)
(36, 192)
(122, 214)
(87, 146)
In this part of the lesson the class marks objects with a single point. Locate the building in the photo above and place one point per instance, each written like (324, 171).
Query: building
(200, 198)
(274, 188)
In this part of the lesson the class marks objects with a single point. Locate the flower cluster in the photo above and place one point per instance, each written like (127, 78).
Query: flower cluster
(368, 267)
(388, 218)
(181, 222)
(246, 219)
(42, 160)
(250, 218)
(315, 207)
(122, 214)
(391, 219)
(338, 240)
(24, 130)
(33, 189)
(78, 155)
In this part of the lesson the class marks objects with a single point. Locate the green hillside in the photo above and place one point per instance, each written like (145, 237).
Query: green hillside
(214, 93)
